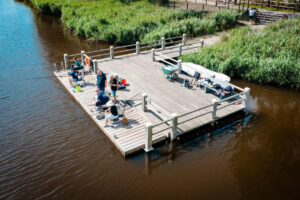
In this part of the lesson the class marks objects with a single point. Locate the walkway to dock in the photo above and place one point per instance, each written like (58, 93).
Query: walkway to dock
(168, 110)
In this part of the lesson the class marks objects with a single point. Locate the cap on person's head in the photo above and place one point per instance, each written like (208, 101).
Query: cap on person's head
(112, 76)
(110, 103)
(74, 58)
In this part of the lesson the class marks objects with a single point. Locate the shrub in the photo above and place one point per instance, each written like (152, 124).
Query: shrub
(271, 55)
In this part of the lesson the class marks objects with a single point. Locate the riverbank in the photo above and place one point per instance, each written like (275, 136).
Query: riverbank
(268, 56)
(121, 23)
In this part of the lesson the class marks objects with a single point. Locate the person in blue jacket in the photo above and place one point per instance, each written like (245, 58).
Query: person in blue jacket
(101, 81)
(73, 76)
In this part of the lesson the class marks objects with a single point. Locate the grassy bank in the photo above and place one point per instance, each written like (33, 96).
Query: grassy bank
(123, 23)
(270, 55)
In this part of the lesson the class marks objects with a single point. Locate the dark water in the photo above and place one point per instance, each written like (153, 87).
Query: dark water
(50, 149)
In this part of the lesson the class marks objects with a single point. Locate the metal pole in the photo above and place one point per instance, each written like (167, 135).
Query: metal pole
(214, 113)
(183, 39)
(153, 54)
(66, 59)
(174, 124)
(137, 47)
(95, 63)
(144, 102)
(247, 99)
(163, 42)
(82, 57)
(180, 49)
(111, 48)
(148, 138)
(179, 65)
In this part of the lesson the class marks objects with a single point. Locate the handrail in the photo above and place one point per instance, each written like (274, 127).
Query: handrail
(233, 96)
(154, 133)
(229, 104)
(162, 122)
(198, 109)
(167, 57)
(190, 119)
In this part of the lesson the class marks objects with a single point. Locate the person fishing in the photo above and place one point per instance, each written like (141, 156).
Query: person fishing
(101, 81)
(113, 86)
(77, 65)
(73, 77)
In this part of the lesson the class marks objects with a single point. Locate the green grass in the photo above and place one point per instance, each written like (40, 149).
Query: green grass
(123, 22)
(270, 55)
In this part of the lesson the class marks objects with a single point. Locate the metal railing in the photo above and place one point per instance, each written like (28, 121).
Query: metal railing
(136, 48)
(175, 121)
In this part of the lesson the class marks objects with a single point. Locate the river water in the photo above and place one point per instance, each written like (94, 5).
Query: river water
(50, 149)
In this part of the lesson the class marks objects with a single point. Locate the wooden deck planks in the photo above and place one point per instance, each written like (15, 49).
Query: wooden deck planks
(145, 76)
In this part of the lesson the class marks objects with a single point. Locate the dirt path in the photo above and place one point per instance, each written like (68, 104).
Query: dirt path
(216, 38)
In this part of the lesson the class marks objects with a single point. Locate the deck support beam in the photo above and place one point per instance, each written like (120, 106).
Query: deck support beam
(111, 52)
(144, 102)
(174, 126)
(247, 99)
(148, 138)
(137, 48)
(66, 59)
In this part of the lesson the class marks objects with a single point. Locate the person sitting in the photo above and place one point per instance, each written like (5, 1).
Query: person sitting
(111, 112)
(73, 77)
(227, 91)
(77, 65)
(195, 78)
(101, 98)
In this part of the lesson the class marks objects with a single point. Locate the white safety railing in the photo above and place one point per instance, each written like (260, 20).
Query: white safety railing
(136, 48)
(175, 121)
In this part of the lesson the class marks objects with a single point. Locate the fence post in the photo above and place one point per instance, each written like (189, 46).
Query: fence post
(66, 59)
(247, 98)
(248, 5)
(148, 138)
(180, 49)
(95, 63)
(239, 5)
(277, 5)
(216, 2)
(202, 43)
(214, 113)
(153, 54)
(262, 4)
(111, 48)
(144, 102)
(174, 124)
(179, 65)
(183, 39)
(137, 47)
(82, 57)
(163, 42)
(61, 65)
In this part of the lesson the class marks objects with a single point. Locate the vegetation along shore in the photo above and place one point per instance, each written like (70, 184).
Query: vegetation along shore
(270, 55)
(121, 22)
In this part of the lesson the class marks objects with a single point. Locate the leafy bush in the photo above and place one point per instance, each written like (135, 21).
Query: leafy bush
(271, 55)
(123, 22)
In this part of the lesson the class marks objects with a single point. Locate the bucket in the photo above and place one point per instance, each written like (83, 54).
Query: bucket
(123, 81)
(78, 88)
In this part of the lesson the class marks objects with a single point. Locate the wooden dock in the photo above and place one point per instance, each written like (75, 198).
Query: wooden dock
(161, 109)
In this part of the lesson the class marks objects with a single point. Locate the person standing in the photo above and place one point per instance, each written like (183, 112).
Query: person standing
(101, 81)
(113, 86)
